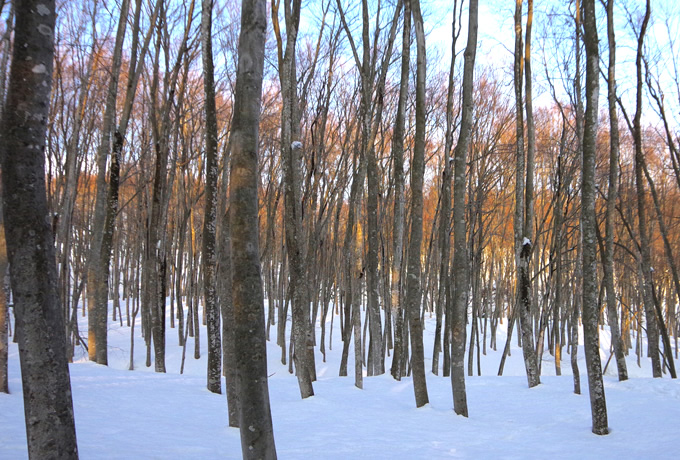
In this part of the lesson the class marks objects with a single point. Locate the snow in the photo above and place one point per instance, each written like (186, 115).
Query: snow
(140, 414)
(296, 145)
(526, 241)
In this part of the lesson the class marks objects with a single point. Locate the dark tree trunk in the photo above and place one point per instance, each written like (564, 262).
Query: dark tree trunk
(461, 265)
(209, 224)
(588, 223)
(612, 196)
(257, 435)
(4, 312)
(48, 406)
(413, 283)
(398, 226)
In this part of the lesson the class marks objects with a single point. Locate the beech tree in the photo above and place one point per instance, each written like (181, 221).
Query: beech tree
(257, 435)
(413, 283)
(588, 222)
(48, 406)
(460, 253)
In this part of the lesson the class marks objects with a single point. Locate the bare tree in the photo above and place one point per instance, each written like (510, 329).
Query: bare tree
(209, 223)
(257, 435)
(48, 405)
(612, 196)
(291, 150)
(460, 254)
(589, 222)
(413, 281)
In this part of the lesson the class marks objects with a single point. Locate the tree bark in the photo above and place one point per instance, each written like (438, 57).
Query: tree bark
(645, 255)
(399, 201)
(98, 268)
(209, 224)
(48, 405)
(291, 150)
(598, 403)
(612, 197)
(413, 281)
(523, 210)
(257, 435)
(461, 265)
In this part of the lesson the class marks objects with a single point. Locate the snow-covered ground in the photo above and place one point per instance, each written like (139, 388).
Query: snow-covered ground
(140, 414)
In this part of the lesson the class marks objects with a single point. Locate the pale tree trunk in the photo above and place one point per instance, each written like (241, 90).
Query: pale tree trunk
(413, 281)
(257, 435)
(398, 224)
(48, 405)
(612, 197)
(461, 265)
(209, 224)
(598, 403)
(291, 149)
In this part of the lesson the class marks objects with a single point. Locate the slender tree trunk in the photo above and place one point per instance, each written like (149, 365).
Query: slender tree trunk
(524, 208)
(398, 223)
(4, 312)
(48, 405)
(413, 283)
(612, 197)
(291, 149)
(645, 255)
(460, 254)
(257, 435)
(588, 222)
(209, 224)
(445, 215)
(98, 268)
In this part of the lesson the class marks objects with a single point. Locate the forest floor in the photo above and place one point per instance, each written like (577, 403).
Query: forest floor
(122, 414)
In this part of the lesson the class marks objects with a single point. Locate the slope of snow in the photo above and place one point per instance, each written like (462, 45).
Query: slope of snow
(140, 414)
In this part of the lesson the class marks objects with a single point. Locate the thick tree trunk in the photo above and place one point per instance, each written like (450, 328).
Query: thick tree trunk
(48, 406)
(588, 223)
(257, 435)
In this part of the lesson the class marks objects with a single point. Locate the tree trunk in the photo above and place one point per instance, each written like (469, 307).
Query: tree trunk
(48, 405)
(598, 403)
(398, 223)
(460, 254)
(291, 149)
(413, 283)
(4, 311)
(209, 224)
(98, 268)
(612, 197)
(645, 255)
(523, 212)
(257, 435)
